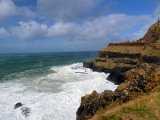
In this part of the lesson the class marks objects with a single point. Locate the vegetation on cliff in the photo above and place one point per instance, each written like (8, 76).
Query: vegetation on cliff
(125, 56)
(135, 67)
(145, 107)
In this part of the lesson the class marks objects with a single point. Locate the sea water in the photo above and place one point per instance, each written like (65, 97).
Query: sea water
(49, 84)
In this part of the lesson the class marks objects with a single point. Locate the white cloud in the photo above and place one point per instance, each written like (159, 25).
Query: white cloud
(26, 12)
(3, 33)
(61, 29)
(66, 9)
(8, 8)
(29, 30)
(100, 30)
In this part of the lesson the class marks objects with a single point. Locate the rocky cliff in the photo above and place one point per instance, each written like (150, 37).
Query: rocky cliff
(132, 65)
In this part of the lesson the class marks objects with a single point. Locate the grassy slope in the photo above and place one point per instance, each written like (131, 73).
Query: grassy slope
(149, 50)
(145, 107)
(124, 49)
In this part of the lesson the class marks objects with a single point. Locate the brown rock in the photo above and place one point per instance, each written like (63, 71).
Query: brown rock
(136, 82)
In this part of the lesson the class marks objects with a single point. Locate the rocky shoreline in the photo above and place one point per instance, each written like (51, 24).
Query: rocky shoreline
(133, 66)
(136, 80)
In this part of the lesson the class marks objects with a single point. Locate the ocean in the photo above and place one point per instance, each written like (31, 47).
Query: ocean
(49, 84)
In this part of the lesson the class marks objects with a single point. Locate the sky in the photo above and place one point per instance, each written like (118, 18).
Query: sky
(72, 25)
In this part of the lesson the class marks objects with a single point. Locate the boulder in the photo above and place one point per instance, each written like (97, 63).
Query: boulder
(88, 64)
(25, 111)
(17, 105)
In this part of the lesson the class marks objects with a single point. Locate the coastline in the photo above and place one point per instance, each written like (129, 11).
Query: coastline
(49, 86)
(133, 66)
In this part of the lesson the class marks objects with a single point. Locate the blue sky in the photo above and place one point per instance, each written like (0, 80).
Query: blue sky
(72, 25)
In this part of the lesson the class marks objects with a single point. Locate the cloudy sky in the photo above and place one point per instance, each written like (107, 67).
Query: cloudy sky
(72, 25)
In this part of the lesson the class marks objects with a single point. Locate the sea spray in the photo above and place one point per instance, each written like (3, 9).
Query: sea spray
(52, 96)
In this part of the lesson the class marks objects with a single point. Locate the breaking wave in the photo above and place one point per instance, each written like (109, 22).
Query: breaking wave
(52, 96)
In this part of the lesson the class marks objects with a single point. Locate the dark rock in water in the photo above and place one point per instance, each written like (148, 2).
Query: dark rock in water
(98, 69)
(17, 105)
(116, 77)
(88, 64)
(82, 72)
(25, 111)
(110, 70)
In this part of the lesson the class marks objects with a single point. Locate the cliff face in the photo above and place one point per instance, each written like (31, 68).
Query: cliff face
(152, 34)
(131, 65)
(120, 57)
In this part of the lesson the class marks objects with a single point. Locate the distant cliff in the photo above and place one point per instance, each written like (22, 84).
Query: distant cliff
(134, 66)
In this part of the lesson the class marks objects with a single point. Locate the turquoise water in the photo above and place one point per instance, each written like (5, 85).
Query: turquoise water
(17, 65)
(49, 84)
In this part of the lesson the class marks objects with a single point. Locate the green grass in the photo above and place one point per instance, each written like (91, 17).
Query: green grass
(145, 107)
(141, 111)
(124, 49)
(112, 117)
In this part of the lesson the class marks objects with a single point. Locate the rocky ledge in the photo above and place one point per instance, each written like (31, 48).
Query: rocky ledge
(133, 66)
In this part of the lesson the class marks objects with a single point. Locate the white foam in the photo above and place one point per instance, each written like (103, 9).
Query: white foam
(73, 81)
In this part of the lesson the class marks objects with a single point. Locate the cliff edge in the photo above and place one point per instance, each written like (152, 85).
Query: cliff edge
(134, 66)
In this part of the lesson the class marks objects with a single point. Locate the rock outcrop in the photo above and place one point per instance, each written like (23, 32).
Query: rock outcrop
(153, 34)
(137, 81)
(17, 105)
(132, 66)
(118, 58)
(24, 110)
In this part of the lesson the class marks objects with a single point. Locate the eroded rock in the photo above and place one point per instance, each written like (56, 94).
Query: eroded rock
(136, 81)
(17, 105)
(25, 111)
(116, 77)
(137, 61)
